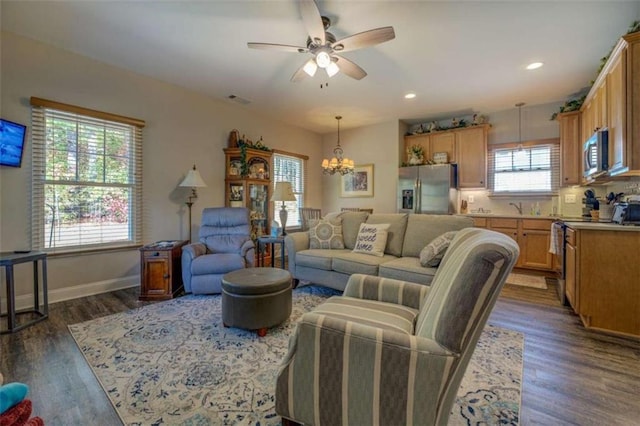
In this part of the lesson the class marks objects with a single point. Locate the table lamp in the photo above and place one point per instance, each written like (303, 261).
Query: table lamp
(193, 180)
(283, 192)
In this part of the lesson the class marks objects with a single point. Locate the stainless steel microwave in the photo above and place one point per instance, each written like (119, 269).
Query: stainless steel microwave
(595, 154)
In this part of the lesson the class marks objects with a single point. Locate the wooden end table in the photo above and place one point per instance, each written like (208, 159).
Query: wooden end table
(161, 270)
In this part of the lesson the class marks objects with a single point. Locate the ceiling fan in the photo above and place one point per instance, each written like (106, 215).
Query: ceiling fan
(324, 47)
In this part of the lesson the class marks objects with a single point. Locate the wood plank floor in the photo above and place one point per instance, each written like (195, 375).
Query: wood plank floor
(571, 375)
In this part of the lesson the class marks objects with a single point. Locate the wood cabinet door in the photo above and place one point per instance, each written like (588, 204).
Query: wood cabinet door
(443, 142)
(571, 284)
(570, 148)
(616, 107)
(535, 249)
(471, 153)
(156, 276)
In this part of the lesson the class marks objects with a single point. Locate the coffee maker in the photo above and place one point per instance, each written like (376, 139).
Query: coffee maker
(590, 203)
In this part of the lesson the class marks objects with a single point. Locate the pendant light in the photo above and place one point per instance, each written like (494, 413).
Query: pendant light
(338, 163)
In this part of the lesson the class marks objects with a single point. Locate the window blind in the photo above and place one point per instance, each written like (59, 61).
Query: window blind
(86, 180)
(531, 168)
(290, 168)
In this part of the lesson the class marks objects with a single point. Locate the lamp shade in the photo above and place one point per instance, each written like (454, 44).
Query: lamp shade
(283, 192)
(193, 179)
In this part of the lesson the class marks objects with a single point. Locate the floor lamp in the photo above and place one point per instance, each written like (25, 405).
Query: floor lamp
(193, 180)
(283, 192)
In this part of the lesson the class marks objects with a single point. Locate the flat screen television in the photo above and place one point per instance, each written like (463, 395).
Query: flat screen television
(12, 138)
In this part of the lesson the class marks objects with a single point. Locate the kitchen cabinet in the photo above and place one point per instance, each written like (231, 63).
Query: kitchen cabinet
(602, 273)
(532, 235)
(613, 102)
(466, 146)
(570, 148)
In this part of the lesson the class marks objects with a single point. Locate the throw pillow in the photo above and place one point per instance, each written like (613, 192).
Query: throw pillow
(433, 253)
(372, 239)
(325, 234)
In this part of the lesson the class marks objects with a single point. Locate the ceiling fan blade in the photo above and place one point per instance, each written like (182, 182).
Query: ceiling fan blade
(312, 20)
(364, 39)
(350, 68)
(281, 47)
(300, 74)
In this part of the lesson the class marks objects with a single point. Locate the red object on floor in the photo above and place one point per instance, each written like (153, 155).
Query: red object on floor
(18, 415)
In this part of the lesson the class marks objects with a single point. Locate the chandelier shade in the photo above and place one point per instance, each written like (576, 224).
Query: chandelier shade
(338, 163)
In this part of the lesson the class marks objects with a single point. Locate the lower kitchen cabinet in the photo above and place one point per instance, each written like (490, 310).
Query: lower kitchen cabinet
(602, 278)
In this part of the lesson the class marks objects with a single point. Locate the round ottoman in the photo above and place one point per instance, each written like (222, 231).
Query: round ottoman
(256, 298)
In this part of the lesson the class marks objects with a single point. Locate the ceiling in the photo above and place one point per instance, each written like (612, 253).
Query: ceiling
(459, 57)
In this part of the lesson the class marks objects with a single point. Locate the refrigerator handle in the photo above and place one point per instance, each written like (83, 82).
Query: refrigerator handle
(418, 196)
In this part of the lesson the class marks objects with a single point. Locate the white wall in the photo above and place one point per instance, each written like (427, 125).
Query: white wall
(182, 128)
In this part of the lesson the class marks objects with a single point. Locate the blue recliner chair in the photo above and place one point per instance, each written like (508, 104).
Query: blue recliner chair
(224, 245)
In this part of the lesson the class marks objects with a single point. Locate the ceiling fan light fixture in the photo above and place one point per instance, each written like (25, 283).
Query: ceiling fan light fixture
(332, 69)
(310, 67)
(323, 59)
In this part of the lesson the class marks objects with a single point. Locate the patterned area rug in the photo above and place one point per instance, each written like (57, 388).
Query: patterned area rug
(174, 363)
(524, 280)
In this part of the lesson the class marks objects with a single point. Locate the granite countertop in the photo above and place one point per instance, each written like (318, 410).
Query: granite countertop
(522, 216)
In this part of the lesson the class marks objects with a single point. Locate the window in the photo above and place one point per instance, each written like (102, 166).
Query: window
(290, 168)
(86, 178)
(533, 168)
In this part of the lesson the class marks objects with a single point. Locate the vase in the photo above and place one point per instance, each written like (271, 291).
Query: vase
(414, 160)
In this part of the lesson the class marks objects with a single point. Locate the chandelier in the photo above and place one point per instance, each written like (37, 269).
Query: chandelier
(338, 163)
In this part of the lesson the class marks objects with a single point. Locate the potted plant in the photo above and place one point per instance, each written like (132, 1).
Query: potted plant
(416, 154)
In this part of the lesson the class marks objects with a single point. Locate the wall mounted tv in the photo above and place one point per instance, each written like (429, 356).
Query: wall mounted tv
(12, 138)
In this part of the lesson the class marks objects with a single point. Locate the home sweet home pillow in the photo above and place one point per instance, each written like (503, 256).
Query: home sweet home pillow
(326, 234)
(433, 253)
(372, 239)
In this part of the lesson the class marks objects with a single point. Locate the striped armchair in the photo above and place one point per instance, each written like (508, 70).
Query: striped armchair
(391, 352)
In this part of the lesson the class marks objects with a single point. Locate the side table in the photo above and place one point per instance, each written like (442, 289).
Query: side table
(262, 245)
(161, 270)
(8, 260)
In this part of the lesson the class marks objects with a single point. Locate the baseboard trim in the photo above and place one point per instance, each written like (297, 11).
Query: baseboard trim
(25, 301)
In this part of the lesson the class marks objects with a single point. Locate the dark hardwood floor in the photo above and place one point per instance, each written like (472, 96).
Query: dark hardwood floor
(571, 375)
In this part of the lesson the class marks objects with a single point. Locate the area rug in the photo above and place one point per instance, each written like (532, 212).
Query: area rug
(524, 280)
(174, 363)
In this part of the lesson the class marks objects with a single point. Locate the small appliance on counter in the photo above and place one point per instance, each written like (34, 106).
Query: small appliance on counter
(627, 213)
(590, 203)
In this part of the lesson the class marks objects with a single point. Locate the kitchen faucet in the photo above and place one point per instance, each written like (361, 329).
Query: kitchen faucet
(517, 206)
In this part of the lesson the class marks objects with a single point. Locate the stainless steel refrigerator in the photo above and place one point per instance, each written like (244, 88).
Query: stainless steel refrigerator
(428, 189)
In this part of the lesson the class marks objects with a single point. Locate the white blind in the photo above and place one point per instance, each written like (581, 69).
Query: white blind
(533, 168)
(290, 168)
(86, 181)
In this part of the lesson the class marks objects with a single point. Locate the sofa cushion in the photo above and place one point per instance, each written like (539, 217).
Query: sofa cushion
(372, 239)
(432, 253)
(389, 316)
(407, 269)
(395, 234)
(358, 263)
(350, 226)
(317, 258)
(326, 234)
(423, 228)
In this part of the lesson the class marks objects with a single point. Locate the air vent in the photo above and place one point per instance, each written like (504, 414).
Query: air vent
(239, 100)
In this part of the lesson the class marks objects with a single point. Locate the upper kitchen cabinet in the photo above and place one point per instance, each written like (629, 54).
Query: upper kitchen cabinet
(466, 146)
(570, 148)
(614, 102)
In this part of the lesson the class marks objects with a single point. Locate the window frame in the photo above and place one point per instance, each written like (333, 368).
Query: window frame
(553, 143)
(299, 189)
(41, 109)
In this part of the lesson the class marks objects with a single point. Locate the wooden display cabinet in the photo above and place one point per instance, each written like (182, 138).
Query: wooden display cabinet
(160, 270)
(248, 184)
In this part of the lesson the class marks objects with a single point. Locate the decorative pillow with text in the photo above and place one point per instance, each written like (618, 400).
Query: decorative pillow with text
(433, 253)
(372, 239)
(326, 234)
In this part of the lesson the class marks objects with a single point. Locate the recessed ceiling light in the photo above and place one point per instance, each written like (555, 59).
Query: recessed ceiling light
(534, 65)
(410, 96)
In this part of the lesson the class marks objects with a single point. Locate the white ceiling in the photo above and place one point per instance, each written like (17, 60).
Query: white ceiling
(458, 57)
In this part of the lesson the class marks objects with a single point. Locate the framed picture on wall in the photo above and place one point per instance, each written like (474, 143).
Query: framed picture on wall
(358, 184)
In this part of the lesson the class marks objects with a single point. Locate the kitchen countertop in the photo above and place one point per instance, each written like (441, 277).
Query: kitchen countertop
(602, 226)
(522, 216)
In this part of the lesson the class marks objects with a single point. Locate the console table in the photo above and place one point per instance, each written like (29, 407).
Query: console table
(8, 260)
